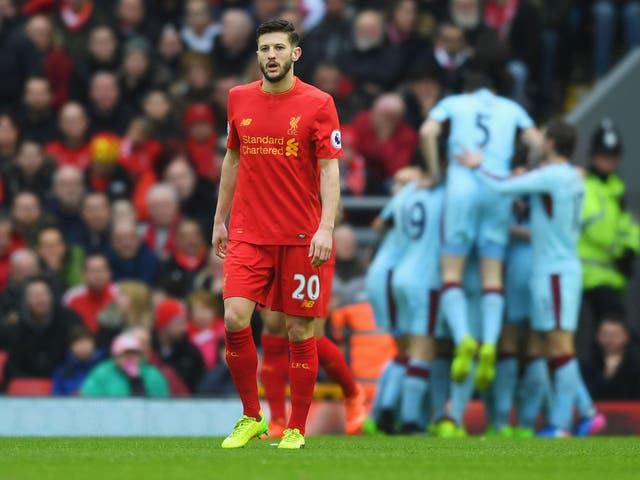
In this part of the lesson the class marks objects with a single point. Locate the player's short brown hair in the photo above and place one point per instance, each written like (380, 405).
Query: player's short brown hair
(279, 25)
(563, 136)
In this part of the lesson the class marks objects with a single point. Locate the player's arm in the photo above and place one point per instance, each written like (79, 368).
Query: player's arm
(322, 241)
(535, 181)
(228, 179)
(533, 139)
(429, 133)
(520, 233)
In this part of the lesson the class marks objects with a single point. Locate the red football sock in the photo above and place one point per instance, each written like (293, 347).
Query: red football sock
(333, 362)
(275, 372)
(242, 359)
(303, 370)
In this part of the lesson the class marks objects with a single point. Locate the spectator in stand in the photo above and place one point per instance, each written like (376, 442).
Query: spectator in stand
(328, 78)
(372, 63)
(138, 74)
(218, 381)
(606, 14)
(170, 50)
(81, 358)
(385, 140)
(490, 53)
(104, 173)
(402, 31)
(172, 342)
(197, 196)
(348, 264)
(450, 57)
(138, 155)
(422, 92)
(133, 20)
(18, 61)
(221, 87)
(75, 21)
(202, 140)
(29, 171)
(264, 10)
(518, 25)
(37, 118)
(159, 111)
(26, 212)
(199, 31)
(129, 256)
(73, 147)
(159, 233)
(177, 272)
(126, 374)
(131, 307)
(55, 62)
(64, 204)
(102, 56)
(328, 40)
(235, 44)
(96, 219)
(210, 277)
(612, 371)
(195, 85)
(6, 249)
(124, 210)
(206, 325)
(96, 292)
(37, 342)
(353, 175)
(177, 388)
(61, 262)
(23, 264)
(107, 111)
(9, 137)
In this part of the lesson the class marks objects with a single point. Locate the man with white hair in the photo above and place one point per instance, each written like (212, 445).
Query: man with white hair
(159, 232)
(68, 190)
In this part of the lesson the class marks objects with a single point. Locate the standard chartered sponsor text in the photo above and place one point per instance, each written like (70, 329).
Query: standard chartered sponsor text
(263, 145)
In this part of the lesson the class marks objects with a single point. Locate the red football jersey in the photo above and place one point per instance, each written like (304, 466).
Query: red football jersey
(280, 137)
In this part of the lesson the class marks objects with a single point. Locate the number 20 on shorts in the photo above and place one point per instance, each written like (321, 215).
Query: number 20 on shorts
(311, 285)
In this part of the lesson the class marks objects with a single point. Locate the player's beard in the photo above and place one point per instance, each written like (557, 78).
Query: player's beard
(278, 76)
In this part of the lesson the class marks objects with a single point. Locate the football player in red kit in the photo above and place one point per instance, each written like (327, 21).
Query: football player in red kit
(280, 173)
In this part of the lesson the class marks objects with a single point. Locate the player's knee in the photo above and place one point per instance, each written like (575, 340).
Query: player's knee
(508, 343)
(299, 330)
(236, 318)
(561, 343)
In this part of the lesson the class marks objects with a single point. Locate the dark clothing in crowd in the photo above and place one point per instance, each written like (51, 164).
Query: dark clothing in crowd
(186, 360)
(623, 385)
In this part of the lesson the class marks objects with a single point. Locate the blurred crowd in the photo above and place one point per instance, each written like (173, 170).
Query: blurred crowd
(113, 129)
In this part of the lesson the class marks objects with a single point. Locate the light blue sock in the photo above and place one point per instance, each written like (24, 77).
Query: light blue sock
(440, 382)
(492, 313)
(389, 396)
(504, 387)
(566, 379)
(461, 394)
(584, 402)
(532, 390)
(454, 307)
(415, 385)
(383, 381)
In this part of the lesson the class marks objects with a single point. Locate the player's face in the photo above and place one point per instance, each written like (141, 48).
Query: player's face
(276, 55)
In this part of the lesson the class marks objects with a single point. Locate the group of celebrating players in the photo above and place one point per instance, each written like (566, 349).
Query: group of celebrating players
(478, 277)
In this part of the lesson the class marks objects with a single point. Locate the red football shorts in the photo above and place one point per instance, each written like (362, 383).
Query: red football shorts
(279, 277)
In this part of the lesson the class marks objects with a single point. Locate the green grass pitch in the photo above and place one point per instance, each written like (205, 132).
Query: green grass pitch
(371, 458)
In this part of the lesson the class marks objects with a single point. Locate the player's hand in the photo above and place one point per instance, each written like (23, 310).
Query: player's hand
(320, 248)
(470, 159)
(219, 239)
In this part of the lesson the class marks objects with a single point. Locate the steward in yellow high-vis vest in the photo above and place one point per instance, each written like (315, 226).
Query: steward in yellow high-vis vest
(610, 237)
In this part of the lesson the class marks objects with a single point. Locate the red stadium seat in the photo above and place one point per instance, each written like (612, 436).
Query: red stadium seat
(29, 387)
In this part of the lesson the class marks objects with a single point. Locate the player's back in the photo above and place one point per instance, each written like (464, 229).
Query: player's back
(421, 223)
(555, 219)
(483, 120)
